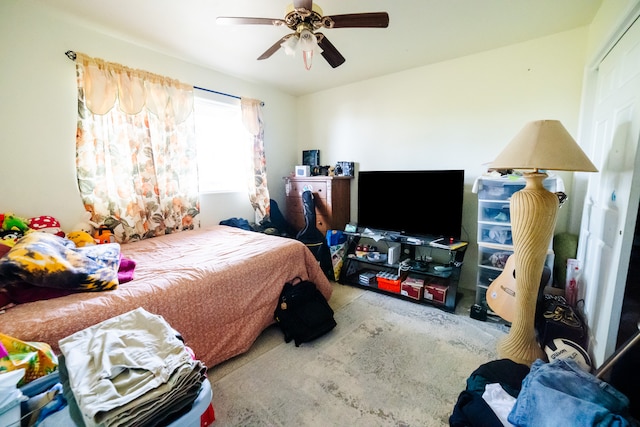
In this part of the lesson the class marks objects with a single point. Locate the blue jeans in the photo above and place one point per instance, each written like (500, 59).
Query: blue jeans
(561, 394)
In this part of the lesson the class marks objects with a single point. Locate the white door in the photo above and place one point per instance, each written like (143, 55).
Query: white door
(611, 202)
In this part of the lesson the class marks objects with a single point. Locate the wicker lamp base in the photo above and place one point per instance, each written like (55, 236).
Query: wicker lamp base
(534, 211)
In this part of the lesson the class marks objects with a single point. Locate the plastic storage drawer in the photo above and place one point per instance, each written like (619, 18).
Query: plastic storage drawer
(495, 257)
(486, 276)
(503, 188)
(498, 189)
(493, 233)
(497, 211)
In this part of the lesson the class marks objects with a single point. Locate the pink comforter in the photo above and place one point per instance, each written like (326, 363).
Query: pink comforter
(218, 287)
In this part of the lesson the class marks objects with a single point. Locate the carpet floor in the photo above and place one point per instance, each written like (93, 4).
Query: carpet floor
(389, 362)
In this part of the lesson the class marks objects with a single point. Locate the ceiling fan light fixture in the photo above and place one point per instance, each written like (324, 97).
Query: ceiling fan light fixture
(306, 43)
(304, 18)
(309, 46)
(290, 45)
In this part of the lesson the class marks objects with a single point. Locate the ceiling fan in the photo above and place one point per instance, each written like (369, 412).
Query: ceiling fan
(305, 18)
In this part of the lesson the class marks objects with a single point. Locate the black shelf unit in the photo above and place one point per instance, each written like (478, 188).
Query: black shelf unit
(423, 253)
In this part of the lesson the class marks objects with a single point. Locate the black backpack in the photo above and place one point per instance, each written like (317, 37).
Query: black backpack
(303, 313)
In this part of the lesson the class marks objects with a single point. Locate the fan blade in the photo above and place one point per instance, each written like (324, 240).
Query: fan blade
(273, 49)
(329, 51)
(357, 20)
(233, 20)
(303, 4)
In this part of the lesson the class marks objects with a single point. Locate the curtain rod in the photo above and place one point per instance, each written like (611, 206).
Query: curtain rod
(223, 94)
(72, 56)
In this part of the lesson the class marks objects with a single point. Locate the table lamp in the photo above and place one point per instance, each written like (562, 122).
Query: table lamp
(540, 145)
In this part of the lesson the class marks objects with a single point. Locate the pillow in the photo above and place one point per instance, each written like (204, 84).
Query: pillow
(47, 260)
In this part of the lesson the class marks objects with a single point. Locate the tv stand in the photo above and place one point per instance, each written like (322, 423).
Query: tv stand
(427, 270)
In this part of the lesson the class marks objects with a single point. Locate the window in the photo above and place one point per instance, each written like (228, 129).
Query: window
(224, 145)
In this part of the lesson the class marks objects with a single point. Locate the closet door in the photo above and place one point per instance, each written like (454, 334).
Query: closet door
(611, 201)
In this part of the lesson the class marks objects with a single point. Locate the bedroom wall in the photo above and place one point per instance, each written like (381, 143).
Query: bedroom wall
(457, 114)
(38, 112)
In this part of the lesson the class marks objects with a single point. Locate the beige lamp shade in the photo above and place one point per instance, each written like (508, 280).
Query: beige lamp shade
(544, 144)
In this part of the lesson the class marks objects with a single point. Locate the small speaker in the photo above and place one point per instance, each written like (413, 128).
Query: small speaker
(303, 170)
(393, 254)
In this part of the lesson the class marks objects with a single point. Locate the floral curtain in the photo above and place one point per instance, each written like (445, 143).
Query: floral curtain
(135, 150)
(258, 191)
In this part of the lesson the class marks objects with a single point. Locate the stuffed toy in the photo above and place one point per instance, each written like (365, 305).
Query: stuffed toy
(104, 235)
(81, 238)
(46, 224)
(10, 237)
(15, 223)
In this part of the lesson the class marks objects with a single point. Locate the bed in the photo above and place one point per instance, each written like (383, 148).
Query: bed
(217, 286)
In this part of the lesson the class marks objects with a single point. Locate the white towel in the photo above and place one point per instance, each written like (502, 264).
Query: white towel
(499, 401)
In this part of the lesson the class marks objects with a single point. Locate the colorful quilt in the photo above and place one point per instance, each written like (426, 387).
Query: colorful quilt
(47, 260)
(36, 358)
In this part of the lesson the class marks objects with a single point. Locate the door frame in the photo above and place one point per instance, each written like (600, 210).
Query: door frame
(581, 181)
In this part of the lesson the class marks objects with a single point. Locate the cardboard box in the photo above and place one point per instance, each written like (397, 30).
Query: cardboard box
(412, 287)
(414, 281)
(435, 292)
(412, 291)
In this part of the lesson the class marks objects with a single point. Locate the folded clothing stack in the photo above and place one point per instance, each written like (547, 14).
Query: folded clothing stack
(130, 369)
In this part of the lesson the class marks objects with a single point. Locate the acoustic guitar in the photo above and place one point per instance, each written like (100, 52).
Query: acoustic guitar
(501, 293)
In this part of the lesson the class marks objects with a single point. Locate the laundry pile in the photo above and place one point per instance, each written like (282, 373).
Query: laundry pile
(130, 369)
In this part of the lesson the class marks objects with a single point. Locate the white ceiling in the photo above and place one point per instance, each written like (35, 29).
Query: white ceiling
(420, 32)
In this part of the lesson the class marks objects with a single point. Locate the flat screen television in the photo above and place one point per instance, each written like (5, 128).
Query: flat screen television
(414, 203)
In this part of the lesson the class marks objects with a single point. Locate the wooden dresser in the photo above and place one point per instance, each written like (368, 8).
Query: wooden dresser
(332, 196)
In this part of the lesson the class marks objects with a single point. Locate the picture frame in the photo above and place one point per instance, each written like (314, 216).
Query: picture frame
(345, 169)
(311, 158)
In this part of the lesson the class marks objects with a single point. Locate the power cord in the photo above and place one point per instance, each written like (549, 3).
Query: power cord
(404, 266)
